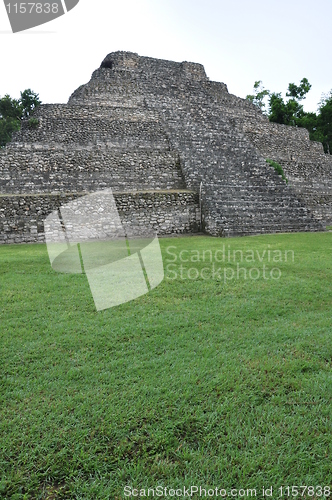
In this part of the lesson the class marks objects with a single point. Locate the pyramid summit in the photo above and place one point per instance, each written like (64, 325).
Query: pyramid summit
(180, 153)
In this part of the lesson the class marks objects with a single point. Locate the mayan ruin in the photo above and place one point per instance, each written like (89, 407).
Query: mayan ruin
(179, 152)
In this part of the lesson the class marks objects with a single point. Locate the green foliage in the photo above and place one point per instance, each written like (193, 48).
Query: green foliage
(324, 122)
(287, 113)
(29, 101)
(12, 111)
(291, 112)
(197, 382)
(299, 92)
(33, 123)
(7, 127)
(10, 108)
(258, 96)
(278, 168)
(278, 111)
(320, 124)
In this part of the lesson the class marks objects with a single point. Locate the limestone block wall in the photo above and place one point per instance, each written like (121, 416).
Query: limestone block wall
(307, 168)
(158, 132)
(41, 168)
(212, 151)
(22, 216)
(166, 212)
(90, 125)
(118, 84)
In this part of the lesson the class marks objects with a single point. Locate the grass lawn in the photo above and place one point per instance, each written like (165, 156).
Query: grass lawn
(211, 380)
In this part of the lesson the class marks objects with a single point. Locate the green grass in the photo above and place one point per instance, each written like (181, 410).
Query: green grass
(200, 382)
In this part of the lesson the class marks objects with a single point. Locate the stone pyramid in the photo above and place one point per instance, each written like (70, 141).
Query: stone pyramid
(180, 153)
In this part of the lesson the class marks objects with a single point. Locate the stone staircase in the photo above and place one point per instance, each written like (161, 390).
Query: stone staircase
(307, 168)
(241, 193)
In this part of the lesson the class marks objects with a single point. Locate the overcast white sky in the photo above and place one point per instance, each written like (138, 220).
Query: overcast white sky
(238, 42)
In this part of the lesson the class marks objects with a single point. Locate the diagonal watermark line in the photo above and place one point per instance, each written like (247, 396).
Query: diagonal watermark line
(64, 6)
(63, 227)
(145, 274)
(87, 235)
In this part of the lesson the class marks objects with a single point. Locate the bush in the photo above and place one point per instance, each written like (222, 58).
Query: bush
(278, 168)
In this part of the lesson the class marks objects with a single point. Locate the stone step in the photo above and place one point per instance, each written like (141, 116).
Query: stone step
(59, 171)
(91, 131)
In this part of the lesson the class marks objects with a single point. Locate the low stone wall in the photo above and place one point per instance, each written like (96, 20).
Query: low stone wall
(165, 212)
(41, 168)
(22, 216)
(94, 125)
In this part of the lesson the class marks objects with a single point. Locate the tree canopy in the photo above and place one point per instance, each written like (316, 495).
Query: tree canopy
(259, 94)
(12, 111)
(290, 111)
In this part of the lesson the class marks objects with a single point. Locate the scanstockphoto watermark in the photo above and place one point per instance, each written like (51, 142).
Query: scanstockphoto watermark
(192, 491)
(226, 263)
(269, 491)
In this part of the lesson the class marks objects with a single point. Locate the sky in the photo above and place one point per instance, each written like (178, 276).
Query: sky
(237, 41)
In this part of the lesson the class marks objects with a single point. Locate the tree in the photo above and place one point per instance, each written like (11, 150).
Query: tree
(258, 96)
(310, 122)
(289, 112)
(320, 124)
(29, 101)
(324, 122)
(13, 111)
(300, 92)
(7, 127)
(10, 116)
(278, 110)
(10, 108)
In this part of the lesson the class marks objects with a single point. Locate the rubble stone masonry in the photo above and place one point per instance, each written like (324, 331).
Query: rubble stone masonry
(180, 153)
